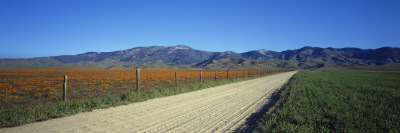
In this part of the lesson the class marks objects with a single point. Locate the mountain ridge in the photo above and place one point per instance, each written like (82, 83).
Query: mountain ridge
(182, 55)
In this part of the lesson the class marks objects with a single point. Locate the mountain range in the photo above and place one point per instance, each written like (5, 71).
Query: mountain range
(181, 56)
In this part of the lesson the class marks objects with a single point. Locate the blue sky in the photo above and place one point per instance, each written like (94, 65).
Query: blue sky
(37, 28)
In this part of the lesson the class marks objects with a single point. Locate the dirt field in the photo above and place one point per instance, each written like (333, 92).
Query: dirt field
(224, 108)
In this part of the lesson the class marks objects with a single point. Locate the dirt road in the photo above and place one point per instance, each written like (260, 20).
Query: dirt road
(223, 108)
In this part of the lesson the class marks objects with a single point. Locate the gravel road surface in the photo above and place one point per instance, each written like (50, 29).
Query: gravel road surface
(225, 108)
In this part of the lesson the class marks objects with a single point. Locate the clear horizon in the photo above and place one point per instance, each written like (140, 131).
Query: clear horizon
(188, 46)
(50, 28)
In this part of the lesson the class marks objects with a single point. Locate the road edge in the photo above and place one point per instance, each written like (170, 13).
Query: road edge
(275, 102)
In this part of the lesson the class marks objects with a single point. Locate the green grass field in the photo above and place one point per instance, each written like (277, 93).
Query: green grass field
(338, 102)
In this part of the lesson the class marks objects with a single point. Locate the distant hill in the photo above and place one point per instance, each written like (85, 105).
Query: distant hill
(175, 55)
(180, 56)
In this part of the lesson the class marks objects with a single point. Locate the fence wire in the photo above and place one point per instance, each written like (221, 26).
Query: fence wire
(21, 87)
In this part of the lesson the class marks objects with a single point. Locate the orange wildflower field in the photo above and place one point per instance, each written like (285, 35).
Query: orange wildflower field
(20, 86)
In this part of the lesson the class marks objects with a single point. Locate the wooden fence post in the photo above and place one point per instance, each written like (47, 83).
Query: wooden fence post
(176, 78)
(216, 75)
(243, 73)
(201, 77)
(227, 74)
(138, 79)
(65, 88)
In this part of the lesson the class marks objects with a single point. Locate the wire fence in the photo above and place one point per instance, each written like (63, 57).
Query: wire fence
(24, 86)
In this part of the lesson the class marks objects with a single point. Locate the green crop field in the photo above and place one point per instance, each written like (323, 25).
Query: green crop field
(338, 102)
